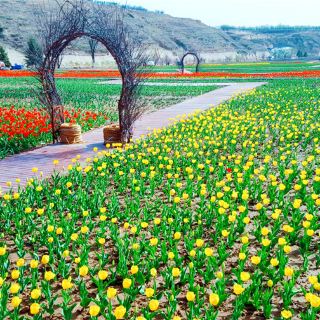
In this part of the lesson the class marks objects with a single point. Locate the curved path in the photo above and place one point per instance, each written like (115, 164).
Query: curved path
(20, 166)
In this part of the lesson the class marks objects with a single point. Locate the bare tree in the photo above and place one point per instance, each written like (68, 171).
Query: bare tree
(201, 59)
(93, 44)
(72, 19)
(59, 61)
(33, 53)
(167, 60)
(156, 57)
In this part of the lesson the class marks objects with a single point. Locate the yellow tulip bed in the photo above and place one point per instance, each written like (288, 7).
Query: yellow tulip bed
(216, 217)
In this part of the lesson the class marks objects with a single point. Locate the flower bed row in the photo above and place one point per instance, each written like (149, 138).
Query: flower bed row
(215, 217)
(116, 74)
(21, 128)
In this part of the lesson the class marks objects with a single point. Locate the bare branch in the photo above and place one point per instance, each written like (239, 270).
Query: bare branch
(196, 57)
(93, 44)
(71, 19)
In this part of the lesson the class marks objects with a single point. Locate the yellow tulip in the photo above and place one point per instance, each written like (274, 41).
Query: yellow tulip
(176, 272)
(35, 294)
(149, 292)
(35, 308)
(286, 314)
(94, 310)
(15, 302)
(111, 292)
(49, 275)
(66, 284)
(238, 289)
(119, 312)
(154, 305)
(126, 283)
(3, 251)
(134, 269)
(190, 296)
(214, 299)
(83, 271)
(102, 275)
(15, 274)
(14, 288)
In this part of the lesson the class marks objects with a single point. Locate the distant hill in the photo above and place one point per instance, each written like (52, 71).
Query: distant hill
(173, 36)
(298, 41)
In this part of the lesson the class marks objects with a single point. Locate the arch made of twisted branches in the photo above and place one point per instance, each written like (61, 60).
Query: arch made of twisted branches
(75, 19)
(197, 59)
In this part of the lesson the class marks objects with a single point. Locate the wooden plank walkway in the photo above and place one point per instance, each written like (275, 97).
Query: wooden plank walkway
(20, 166)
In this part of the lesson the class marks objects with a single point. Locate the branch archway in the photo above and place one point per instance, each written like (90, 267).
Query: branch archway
(74, 20)
(197, 59)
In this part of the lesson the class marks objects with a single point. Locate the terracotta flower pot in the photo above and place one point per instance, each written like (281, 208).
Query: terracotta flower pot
(112, 134)
(70, 133)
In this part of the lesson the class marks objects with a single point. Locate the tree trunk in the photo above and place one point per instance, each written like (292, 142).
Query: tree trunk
(122, 121)
(93, 57)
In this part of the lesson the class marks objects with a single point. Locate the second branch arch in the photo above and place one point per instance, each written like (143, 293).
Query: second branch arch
(108, 29)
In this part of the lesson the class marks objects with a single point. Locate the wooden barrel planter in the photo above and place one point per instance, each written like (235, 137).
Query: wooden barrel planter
(70, 133)
(112, 135)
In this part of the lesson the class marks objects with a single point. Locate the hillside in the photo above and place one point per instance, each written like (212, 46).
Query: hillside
(171, 36)
(164, 31)
(305, 40)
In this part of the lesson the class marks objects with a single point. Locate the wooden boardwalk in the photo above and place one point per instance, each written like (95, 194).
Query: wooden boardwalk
(20, 166)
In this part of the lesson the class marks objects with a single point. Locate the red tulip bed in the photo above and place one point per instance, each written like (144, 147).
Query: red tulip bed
(22, 128)
(160, 75)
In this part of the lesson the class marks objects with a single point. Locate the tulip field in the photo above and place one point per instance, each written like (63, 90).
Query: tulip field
(215, 217)
(24, 124)
(275, 69)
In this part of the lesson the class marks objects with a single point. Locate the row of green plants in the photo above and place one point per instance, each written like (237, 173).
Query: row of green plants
(214, 217)
(250, 67)
(90, 103)
(90, 94)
